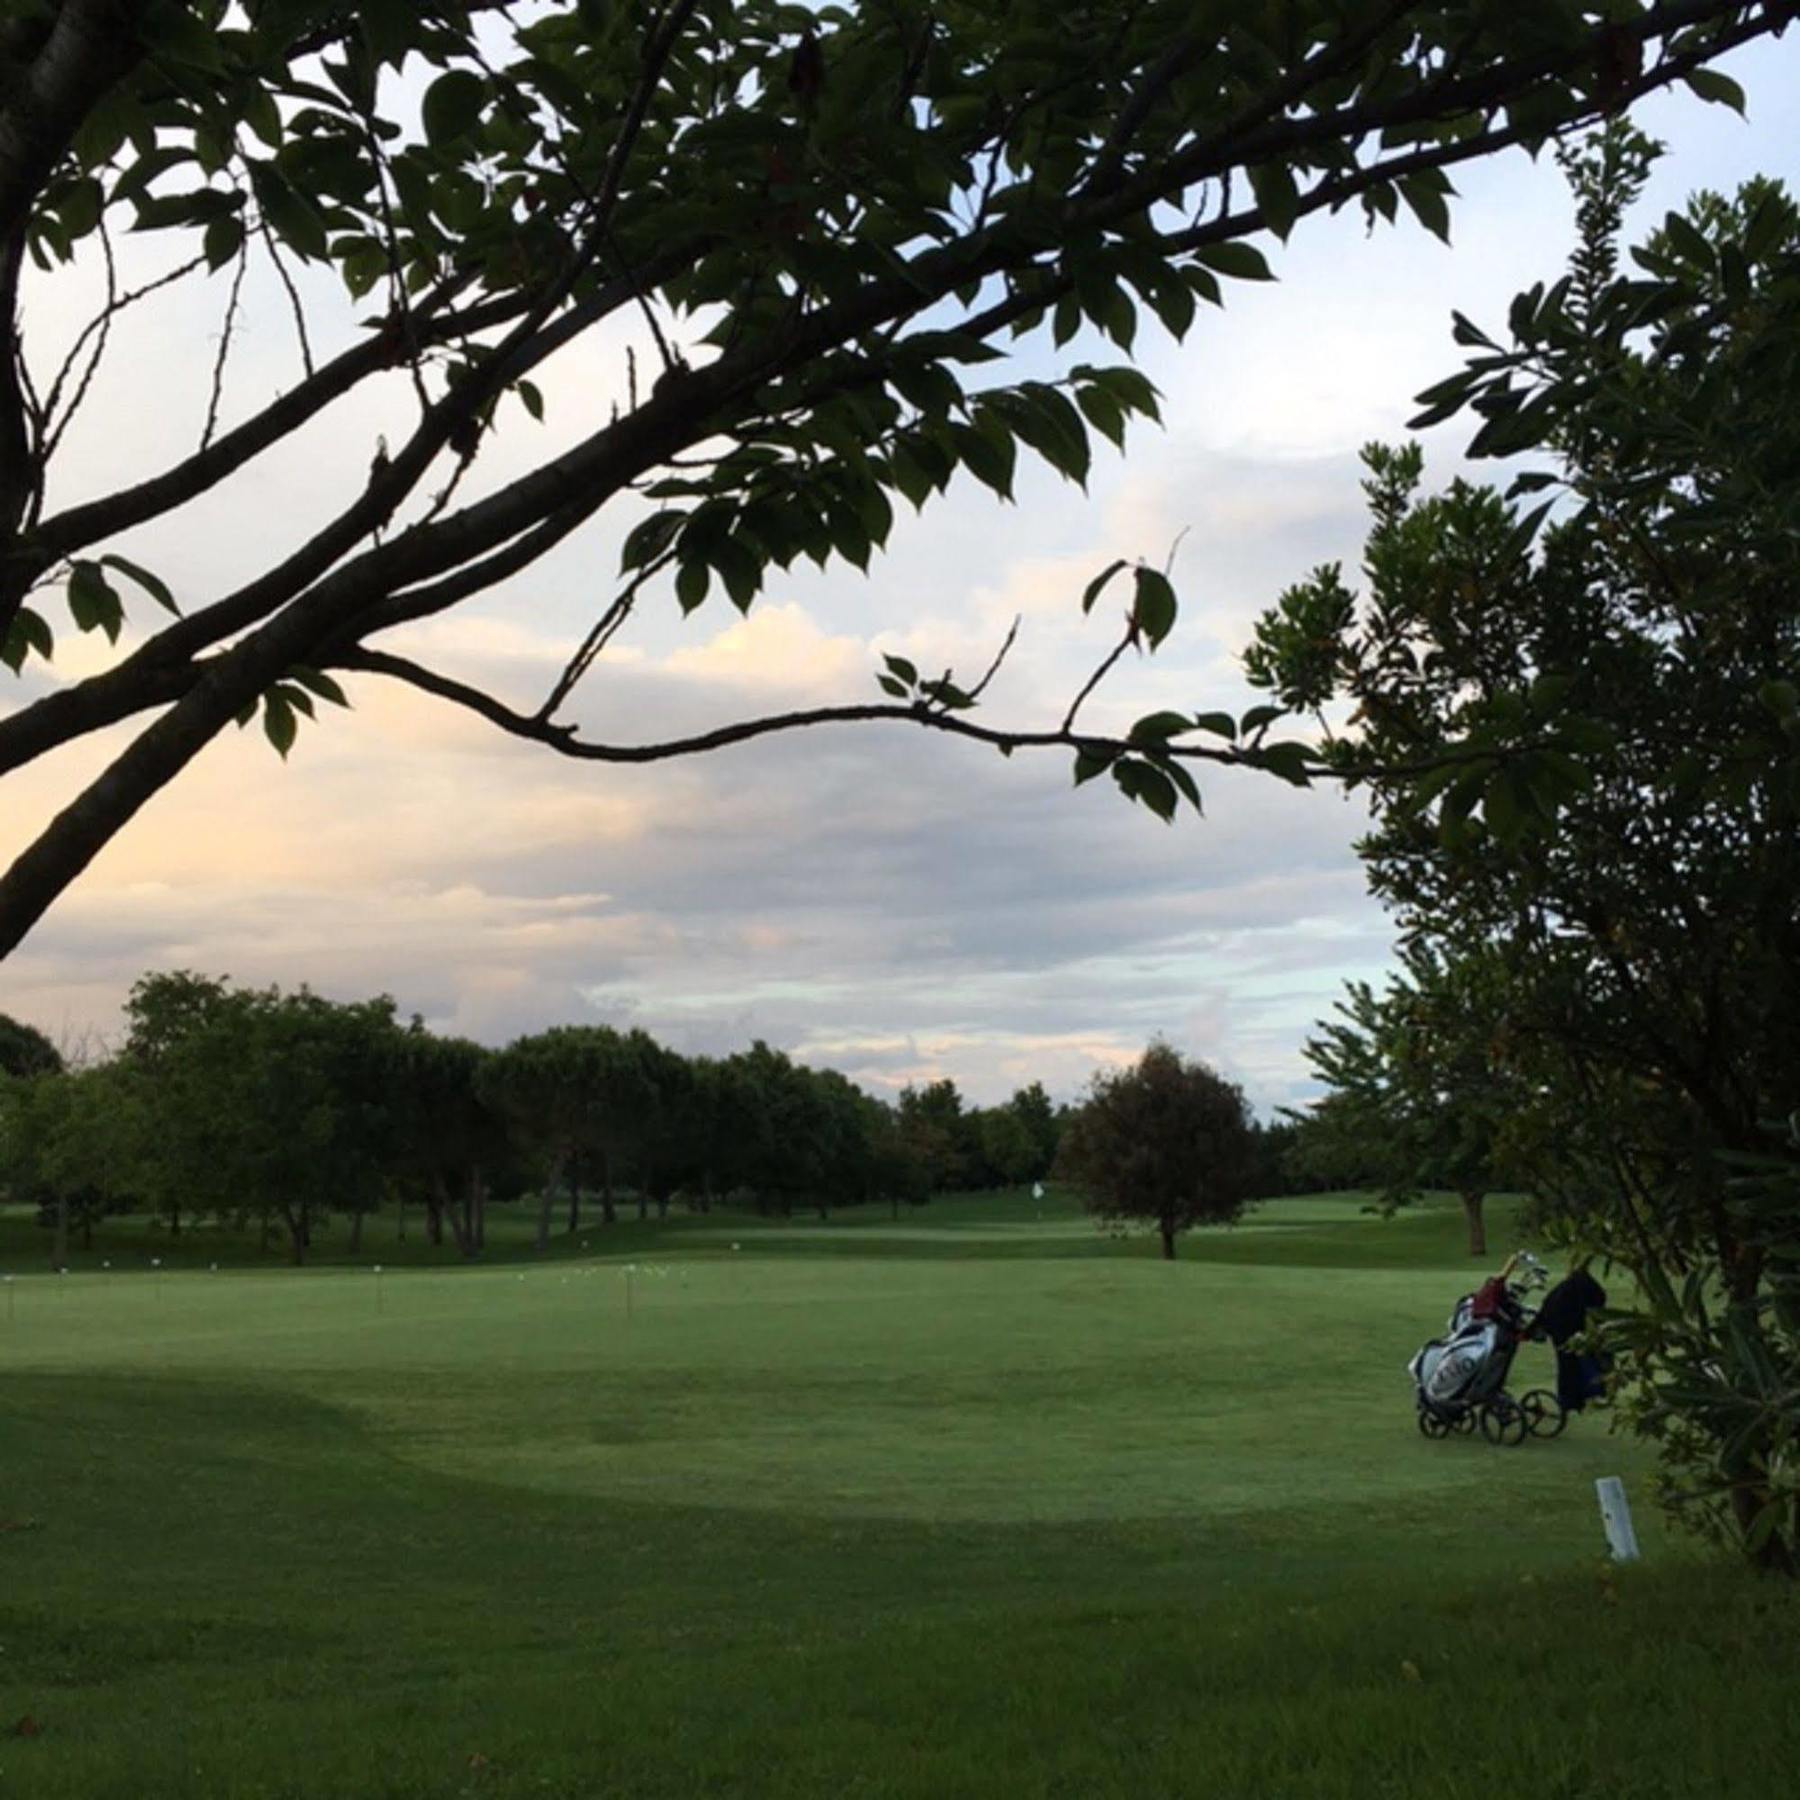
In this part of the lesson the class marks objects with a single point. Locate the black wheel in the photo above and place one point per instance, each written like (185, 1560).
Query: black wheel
(1433, 1425)
(1544, 1417)
(1502, 1422)
(1466, 1422)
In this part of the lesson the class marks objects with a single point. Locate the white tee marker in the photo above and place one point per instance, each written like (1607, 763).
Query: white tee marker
(1615, 1515)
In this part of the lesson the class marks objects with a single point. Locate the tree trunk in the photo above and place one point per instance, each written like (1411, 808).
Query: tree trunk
(306, 1223)
(1471, 1205)
(267, 1227)
(59, 1240)
(662, 1206)
(471, 1205)
(175, 1219)
(574, 1179)
(436, 1199)
(356, 1224)
(643, 1205)
(1167, 1228)
(296, 1224)
(400, 1216)
(608, 1212)
(480, 1188)
(1776, 1556)
(87, 1231)
(546, 1201)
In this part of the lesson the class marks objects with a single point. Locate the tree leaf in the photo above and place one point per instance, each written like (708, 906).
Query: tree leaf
(1720, 89)
(153, 585)
(279, 723)
(1092, 591)
(1221, 724)
(320, 683)
(1243, 262)
(902, 670)
(93, 602)
(452, 106)
(1154, 610)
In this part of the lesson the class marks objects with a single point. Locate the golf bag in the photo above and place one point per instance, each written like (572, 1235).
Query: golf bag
(1459, 1379)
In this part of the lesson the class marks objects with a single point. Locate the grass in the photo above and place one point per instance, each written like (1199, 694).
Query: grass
(976, 1503)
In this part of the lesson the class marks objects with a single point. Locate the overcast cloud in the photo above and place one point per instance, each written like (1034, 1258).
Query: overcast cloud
(873, 898)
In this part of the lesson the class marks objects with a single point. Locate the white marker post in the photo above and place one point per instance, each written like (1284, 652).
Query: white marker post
(1615, 1515)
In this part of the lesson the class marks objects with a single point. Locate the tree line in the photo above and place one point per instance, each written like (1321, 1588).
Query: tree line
(278, 1112)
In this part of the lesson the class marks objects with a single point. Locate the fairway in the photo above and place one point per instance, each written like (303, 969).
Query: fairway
(975, 1502)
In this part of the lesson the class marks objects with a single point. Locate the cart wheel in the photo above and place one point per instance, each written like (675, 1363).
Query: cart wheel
(1544, 1417)
(1502, 1422)
(1465, 1422)
(1433, 1424)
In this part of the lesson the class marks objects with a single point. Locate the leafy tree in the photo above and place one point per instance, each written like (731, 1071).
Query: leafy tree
(822, 222)
(71, 1147)
(1033, 1109)
(1420, 1100)
(1167, 1141)
(941, 1134)
(24, 1050)
(1007, 1148)
(447, 1138)
(1614, 819)
(272, 1102)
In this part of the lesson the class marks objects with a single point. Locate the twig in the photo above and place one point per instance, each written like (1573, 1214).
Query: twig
(218, 374)
(1100, 674)
(979, 688)
(605, 629)
(293, 294)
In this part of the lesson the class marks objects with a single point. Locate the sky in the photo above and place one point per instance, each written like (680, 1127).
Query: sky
(870, 898)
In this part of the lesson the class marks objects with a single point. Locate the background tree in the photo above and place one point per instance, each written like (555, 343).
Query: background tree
(1167, 1141)
(1614, 824)
(816, 222)
(25, 1051)
(1418, 1097)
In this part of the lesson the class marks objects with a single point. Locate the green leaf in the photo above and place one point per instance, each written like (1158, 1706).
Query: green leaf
(1721, 90)
(223, 240)
(93, 602)
(889, 685)
(318, 682)
(1259, 716)
(1092, 591)
(1243, 262)
(453, 106)
(988, 457)
(1149, 785)
(1089, 763)
(1221, 724)
(1158, 727)
(1277, 198)
(532, 395)
(1154, 609)
(1290, 761)
(289, 213)
(153, 585)
(649, 538)
(1427, 204)
(27, 632)
(903, 670)
(279, 723)
(691, 583)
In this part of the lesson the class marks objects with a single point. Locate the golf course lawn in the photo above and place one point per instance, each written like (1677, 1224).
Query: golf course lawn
(981, 1502)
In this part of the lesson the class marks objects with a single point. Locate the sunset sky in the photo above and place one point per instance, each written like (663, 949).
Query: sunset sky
(869, 898)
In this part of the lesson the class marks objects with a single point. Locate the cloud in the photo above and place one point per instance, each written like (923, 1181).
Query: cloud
(877, 899)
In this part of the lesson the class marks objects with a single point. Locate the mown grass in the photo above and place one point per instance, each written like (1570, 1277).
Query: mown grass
(974, 1503)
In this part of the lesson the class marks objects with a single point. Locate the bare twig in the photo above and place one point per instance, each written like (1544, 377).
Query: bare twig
(1012, 634)
(1100, 674)
(293, 294)
(605, 629)
(218, 373)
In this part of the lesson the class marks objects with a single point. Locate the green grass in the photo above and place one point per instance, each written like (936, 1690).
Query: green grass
(975, 1503)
